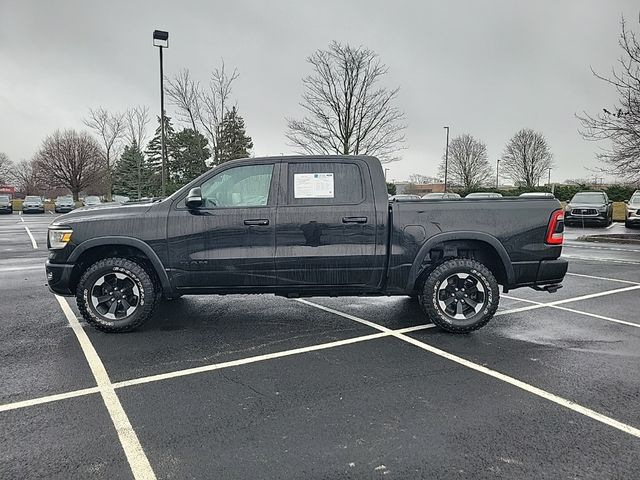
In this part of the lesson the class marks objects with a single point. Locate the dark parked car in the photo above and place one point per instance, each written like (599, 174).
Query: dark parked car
(32, 204)
(5, 204)
(304, 226)
(589, 208)
(440, 196)
(633, 211)
(64, 204)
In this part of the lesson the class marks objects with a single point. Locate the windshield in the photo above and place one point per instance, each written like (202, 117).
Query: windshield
(635, 198)
(64, 199)
(32, 199)
(92, 199)
(4, 198)
(587, 197)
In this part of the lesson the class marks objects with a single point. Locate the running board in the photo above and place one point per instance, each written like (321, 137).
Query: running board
(547, 288)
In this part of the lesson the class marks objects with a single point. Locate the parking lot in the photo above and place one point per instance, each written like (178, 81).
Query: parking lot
(267, 387)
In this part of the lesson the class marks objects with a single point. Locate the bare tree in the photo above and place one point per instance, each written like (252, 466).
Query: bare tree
(203, 109)
(346, 111)
(6, 169)
(621, 123)
(422, 179)
(110, 128)
(71, 160)
(137, 119)
(468, 165)
(27, 178)
(526, 158)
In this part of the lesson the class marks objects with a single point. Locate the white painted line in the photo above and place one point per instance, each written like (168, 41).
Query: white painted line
(601, 259)
(611, 226)
(602, 278)
(48, 399)
(191, 371)
(50, 212)
(33, 240)
(261, 358)
(588, 314)
(18, 269)
(593, 247)
(21, 219)
(592, 295)
(492, 373)
(138, 461)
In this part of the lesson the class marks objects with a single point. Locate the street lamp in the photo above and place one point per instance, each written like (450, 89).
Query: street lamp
(385, 173)
(161, 40)
(446, 160)
(497, 172)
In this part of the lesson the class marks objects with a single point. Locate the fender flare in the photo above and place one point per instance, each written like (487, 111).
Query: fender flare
(130, 242)
(464, 235)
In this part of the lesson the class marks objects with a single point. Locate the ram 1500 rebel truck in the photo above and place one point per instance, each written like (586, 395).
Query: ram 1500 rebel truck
(304, 226)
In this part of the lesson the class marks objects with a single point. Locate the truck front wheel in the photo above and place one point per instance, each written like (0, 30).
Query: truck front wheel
(116, 295)
(460, 295)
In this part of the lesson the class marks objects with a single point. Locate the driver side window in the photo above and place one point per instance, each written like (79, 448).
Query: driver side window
(246, 186)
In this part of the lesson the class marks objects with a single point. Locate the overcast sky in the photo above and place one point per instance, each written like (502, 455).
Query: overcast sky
(488, 68)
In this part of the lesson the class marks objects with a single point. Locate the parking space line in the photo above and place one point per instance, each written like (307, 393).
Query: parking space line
(138, 461)
(603, 278)
(33, 240)
(601, 259)
(261, 358)
(593, 247)
(492, 373)
(48, 399)
(19, 269)
(588, 314)
(211, 367)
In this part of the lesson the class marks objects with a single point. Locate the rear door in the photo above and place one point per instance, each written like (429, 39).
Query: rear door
(326, 225)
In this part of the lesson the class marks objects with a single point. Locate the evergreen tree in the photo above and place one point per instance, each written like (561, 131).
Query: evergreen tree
(133, 175)
(234, 142)
(190, 154)
(154, 155)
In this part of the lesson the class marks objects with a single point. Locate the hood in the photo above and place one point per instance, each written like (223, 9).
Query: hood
(587, 205)
(101, 213)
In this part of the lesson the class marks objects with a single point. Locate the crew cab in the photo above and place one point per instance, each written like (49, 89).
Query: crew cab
(304, 226)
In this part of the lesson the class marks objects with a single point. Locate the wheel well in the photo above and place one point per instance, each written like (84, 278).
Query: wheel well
(478, 250)
(93, 254)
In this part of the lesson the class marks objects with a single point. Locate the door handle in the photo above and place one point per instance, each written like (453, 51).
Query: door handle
(354, 219)
(260, 221)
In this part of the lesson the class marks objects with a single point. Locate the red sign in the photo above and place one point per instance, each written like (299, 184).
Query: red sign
(6, 189)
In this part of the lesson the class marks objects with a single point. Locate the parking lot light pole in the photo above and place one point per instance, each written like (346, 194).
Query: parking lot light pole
(161, 40)
(446, 160)
(497, 173)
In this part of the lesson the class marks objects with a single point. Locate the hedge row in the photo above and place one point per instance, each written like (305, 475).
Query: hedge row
(616, 193)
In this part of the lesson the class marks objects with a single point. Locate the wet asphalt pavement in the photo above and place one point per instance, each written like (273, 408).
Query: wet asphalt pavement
(265, 387)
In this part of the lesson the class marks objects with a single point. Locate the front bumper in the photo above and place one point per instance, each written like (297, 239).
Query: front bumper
(33, 209)
(6, 208)
(59, 277)
(599, 219)
(64, 209)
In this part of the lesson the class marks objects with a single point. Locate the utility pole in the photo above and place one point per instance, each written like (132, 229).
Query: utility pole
(446, 160)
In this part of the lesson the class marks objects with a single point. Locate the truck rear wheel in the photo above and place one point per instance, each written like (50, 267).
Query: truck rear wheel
(460, 295)
(116, 295)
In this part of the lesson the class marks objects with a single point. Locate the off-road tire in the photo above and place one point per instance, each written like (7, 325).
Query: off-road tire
(143, 279)
(429, 291)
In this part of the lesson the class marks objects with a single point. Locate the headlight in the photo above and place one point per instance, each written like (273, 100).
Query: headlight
(58, 238)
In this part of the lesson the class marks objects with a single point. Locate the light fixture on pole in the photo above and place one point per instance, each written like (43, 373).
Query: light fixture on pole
(385, 173)
(161, 40)
(446, 160)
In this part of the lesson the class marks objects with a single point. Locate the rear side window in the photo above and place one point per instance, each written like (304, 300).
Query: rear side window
(317, 183)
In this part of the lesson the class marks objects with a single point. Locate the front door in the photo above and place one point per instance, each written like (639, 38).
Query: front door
(326, 225)
(230, 240)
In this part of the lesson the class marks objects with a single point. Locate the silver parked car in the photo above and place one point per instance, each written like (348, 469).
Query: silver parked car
(32, 204)
(480, 195)
(64, 204)
(441, 196)
(633, 211)
(403, 197)
(91, 200)
(5, 204)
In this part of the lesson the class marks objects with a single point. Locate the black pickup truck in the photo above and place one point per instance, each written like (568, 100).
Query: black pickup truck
(304, 226)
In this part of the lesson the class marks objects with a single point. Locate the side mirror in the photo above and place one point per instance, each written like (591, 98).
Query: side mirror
(626, 201)
(194, 199)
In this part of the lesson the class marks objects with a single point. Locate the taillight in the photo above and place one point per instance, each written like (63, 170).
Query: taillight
(555, 231)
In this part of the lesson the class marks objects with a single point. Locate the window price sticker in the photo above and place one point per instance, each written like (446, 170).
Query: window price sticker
(313, 185)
